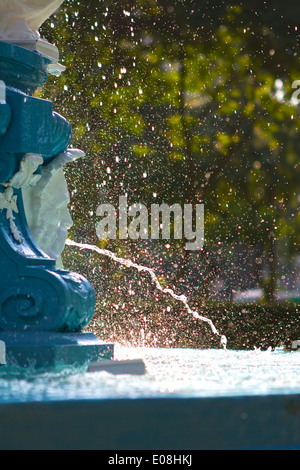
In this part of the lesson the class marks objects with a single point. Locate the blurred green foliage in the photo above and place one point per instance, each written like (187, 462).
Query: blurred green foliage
(189, 102)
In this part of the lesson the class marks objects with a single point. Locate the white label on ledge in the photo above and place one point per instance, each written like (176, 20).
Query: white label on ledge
(2, 92)
(56, 69)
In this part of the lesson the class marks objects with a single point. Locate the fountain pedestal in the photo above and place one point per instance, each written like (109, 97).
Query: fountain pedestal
(44, 350)
(43, 309)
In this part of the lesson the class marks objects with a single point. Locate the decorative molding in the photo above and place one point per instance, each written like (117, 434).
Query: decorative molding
(8, 202)
(26, 176)
(46, 205)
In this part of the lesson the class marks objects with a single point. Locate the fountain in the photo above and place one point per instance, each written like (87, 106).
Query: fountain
(43, 308)
(54, 394)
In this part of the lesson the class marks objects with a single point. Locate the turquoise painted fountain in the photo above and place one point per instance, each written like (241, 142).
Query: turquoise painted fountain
(51, 396)
(43, 308)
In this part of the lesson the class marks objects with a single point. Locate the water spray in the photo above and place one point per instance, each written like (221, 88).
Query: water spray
(130, 264)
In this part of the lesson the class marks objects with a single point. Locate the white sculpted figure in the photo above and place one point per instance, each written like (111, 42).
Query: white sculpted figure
(21, 19)
(46, 205)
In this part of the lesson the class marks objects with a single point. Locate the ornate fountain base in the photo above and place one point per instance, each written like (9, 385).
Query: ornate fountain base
(43, 309)
(50, 349)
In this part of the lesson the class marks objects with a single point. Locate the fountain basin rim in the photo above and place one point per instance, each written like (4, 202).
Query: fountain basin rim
(262, 422)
